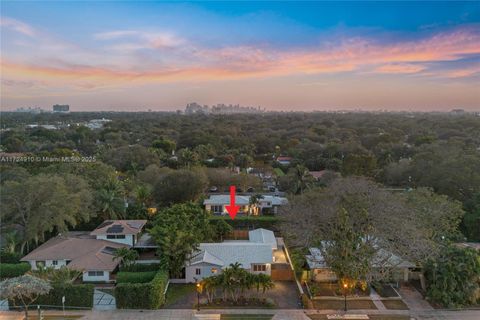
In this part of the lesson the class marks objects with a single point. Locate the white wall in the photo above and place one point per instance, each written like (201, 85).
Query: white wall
(128, 239)
(104, 278)
(48, 263)
(205, 271)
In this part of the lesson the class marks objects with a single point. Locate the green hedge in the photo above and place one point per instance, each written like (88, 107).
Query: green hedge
(11, 270)
(140, 267)
(142, 295)
(76, 295)
(135, 277)
(9, 257)
(248, 222)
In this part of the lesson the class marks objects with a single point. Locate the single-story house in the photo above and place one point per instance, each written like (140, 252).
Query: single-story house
(285, 161)
(92, 253)
(320, 272)
(217, 203)
(78, 251)
(254, 255)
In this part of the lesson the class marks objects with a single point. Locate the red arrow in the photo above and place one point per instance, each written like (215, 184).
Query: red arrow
(232, 208)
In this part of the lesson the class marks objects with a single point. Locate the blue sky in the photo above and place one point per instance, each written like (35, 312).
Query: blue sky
(282, 55)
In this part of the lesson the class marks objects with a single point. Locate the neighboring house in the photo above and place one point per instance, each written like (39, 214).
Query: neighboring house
(92, 253)
(120, 231)
(320, 272)
(78, 251)
(285, 161)
(255, 255)
(216, 203)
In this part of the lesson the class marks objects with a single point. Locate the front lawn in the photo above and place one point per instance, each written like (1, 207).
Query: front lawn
(246, 316)
(176, 292)
(395, 304)
(385, 290)
(372, 317)
(339, 304)
(326, 289)
(241, 303)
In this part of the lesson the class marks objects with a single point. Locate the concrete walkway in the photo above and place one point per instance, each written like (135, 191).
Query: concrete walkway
(413, 299)
(377, 300)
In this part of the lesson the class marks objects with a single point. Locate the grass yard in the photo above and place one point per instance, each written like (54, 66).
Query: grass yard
(386, 291)
(339, 304)
(177, 291)
(395, 304)
(372, 317)
(246, 316)
(53, 317)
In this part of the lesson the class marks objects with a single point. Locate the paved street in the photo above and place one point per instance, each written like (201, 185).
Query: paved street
(285, 314)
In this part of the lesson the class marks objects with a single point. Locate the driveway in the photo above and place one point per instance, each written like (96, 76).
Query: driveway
(103, 301)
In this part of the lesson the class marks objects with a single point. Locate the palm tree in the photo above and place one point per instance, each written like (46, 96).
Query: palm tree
(126, 255)
(265, 282)
(111, 201)
(253, 203)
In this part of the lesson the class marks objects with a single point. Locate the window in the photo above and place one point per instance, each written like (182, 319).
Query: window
(214, 270)
(115, 236)
(217, 209)
(54, 262)
(259, 267)
(198, 271)
(40, 264)
(95, 273)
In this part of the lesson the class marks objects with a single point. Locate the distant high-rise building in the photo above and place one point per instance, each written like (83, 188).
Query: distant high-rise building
(61, 108)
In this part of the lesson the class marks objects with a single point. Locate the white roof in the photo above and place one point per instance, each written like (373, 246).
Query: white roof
(224, 199)
(263, 236)
(226, 253)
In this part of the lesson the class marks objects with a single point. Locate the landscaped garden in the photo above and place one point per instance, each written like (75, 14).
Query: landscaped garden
(331, 289)
(396, 304)
(372, 317)
(340, 304)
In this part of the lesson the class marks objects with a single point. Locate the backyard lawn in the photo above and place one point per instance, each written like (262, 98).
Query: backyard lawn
(339, 304)
(395, 304)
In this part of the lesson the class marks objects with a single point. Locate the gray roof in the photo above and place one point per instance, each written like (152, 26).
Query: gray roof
(263, 236)
(226, 253)
(382, 257)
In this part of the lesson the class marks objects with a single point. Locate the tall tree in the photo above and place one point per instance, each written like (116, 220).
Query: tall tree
(44, 203)
(178, 230)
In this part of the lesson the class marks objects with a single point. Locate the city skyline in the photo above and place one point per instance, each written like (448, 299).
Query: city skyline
(282, 56)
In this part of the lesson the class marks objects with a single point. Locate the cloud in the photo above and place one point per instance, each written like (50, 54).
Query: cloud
(142, 40)
(17, 26)
(400, 68)
(121, 58)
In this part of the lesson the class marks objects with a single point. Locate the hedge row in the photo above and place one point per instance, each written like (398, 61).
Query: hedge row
(150, 295)
(135, 277)
(76, 295)
(10, 257)
(140, 267)
(11, 270)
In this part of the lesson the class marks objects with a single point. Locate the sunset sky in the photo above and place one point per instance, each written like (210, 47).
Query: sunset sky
(121, 55)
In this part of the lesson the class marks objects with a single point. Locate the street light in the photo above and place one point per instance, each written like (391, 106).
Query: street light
(197, 284)
(345, 286)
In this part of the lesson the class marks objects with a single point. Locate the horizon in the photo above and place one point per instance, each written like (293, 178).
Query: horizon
(282, 56)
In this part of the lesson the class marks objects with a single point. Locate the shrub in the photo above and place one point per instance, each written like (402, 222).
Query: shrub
(138, 267)
(76, 295)
(11, 270)
(149, 295)
(10, 257)
(135, 277)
